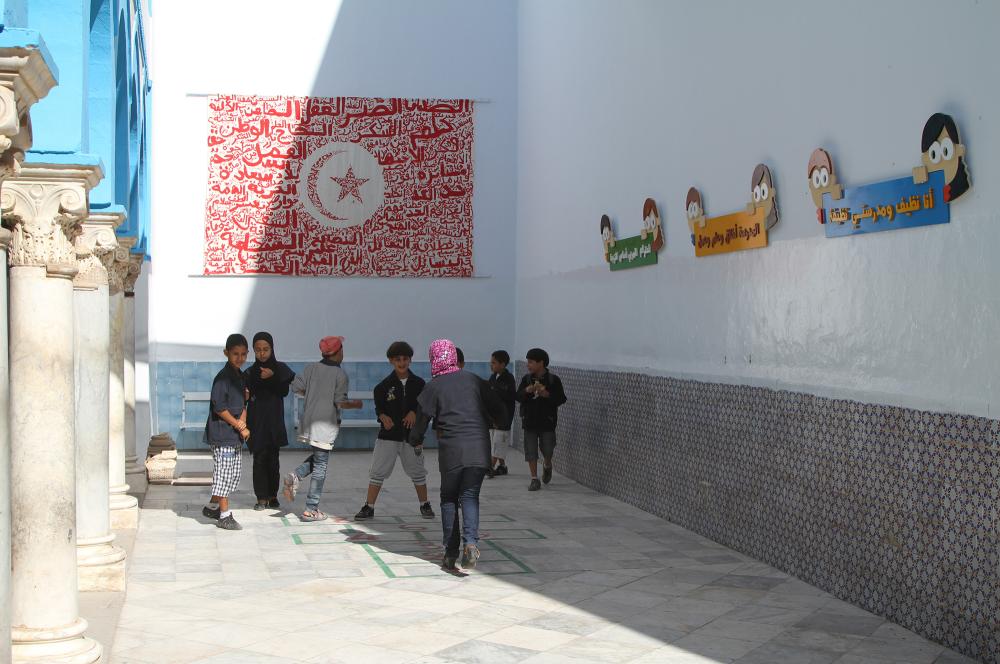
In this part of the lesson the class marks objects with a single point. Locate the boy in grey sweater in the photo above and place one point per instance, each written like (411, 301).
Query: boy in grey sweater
(324, 385)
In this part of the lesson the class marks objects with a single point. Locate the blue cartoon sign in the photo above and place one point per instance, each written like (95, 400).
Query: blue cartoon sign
(920, 200)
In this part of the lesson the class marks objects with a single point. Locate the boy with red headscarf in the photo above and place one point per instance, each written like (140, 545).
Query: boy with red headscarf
(324, 385)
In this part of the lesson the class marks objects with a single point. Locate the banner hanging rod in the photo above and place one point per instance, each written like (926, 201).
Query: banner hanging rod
(213, 94)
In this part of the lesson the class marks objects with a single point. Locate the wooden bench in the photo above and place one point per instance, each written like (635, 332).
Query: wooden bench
(297, 402)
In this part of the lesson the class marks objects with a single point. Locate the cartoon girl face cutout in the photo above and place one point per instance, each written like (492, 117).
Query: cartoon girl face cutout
(943, 151)
(764, 196)
(694, 209)
(607, 235)
(651, 223)
(650, 218)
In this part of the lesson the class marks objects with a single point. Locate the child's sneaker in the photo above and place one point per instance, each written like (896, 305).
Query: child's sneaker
(547, 474)
(501, 469)
(490, 473)
(368, 512)
(427, 511)
(211, 512)
(448, 562)
(470, 556)
(291, 486)
(535, 484)
(229, 523)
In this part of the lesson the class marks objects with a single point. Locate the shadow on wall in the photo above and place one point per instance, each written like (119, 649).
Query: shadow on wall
(663, 586)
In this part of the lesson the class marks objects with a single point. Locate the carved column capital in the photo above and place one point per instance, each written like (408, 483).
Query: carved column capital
(96, 241)
(134, 268)
(119, 265)
(5, 237)
(25, 77)
(42, 207)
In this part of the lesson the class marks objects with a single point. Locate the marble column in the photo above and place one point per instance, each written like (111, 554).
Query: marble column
(25, 77)
(5, 237)
(135, 472)
(100, 563)
(124, 508)
(42, 206)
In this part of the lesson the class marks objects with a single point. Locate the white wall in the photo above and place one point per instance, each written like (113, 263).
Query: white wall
(618, 101)
(397, 48)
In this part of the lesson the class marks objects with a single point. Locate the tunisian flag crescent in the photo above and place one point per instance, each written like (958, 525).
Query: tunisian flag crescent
(342, 186)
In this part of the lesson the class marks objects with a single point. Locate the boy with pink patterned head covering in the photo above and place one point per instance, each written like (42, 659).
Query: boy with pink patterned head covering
(463, 408)
(324, 385)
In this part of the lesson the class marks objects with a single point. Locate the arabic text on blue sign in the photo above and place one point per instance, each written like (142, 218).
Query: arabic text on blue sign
(886, 206)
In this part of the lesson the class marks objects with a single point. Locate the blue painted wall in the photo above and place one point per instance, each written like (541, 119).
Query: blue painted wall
(100, 106)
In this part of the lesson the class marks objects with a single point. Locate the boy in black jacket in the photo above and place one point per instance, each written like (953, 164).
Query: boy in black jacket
(540, 395)
(396, 409)
(502, 383)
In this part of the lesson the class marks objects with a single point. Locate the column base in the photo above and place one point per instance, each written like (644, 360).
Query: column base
(100, 565)
(135, 475)
(124, 511)
(62, 645)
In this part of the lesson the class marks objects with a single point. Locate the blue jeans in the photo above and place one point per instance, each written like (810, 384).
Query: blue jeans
(314, 467)
(461, 484)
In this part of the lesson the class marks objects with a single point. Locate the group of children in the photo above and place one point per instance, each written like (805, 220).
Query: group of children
(471, 417)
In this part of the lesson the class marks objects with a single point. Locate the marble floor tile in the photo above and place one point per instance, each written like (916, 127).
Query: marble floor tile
(576, 577)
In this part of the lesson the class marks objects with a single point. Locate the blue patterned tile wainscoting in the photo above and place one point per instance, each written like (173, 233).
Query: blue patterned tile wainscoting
(892, 509)
(173, 379)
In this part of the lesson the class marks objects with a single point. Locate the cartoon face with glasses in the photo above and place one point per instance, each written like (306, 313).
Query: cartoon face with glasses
(943, 151)
(764, 196)
(822, 180)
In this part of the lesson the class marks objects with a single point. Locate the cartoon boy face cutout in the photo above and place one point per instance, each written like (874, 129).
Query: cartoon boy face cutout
(942, 150)
(651, 223)
(607, 236)
(822, 180)
(695, 211)
(764, 196)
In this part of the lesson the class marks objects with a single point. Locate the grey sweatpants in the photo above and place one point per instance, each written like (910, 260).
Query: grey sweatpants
(384, 460)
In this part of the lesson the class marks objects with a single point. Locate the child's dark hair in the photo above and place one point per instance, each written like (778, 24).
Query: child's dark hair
(460, 355)
(235, 340)
(538, 355)
(501, 356)
(398, 348)
(932, 129)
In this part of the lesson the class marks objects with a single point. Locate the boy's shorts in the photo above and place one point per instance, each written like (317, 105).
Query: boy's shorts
(226, 468)
(535, 439)
(384, 460)
(499, 442)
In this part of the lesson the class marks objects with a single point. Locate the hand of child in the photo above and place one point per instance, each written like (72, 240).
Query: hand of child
(410, 420)
(386, 421)
(245, 433)
(542, 392)
(265, 373)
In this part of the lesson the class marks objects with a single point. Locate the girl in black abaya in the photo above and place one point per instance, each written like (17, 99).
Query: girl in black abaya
(268, 381)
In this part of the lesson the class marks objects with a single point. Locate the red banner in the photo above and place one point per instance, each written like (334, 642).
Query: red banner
(339, 187)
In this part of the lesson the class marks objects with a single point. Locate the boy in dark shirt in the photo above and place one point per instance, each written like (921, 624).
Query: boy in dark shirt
(226, 430)
(540, 395)
(396, 409)
(501, 382)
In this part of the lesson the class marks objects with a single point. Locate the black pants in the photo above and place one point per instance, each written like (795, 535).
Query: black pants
(266, 474)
